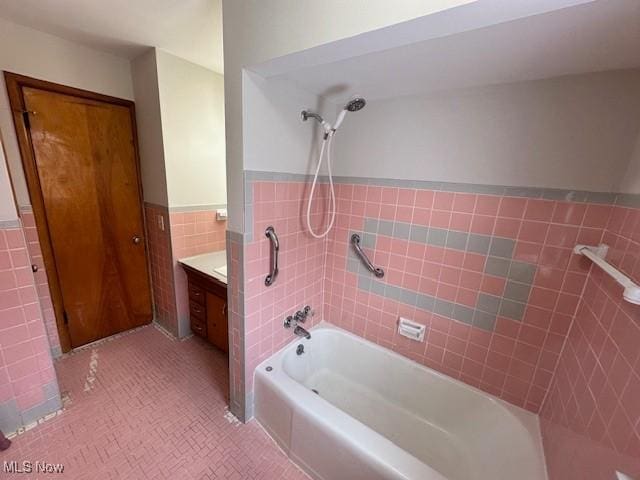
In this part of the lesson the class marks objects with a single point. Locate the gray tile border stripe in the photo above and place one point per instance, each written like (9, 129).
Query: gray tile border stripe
(437, 237)
(518, 292)
(401, 230)
(628, 200)
(419, 234)
(483, 320)
(457, 240)
(488, 303)
(463, 313)
(445, 308)
(522, 272)
(580, 196)
(497, 247)
(439, 306)
(479, 244)
(511, 309)
(498, 267)
(519, 274)
(6, 224)
(12, 419)
(502, 247)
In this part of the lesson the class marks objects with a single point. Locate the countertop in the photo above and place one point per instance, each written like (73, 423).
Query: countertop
(213, 264)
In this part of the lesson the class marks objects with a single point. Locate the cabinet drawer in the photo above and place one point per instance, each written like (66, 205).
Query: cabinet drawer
(197, 310)
(217, 322)
(196, 294)
(199, 327)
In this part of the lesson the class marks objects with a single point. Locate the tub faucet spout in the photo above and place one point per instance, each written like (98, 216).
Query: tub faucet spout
(301, 332)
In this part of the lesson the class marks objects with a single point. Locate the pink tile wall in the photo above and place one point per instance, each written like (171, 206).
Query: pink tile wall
(161, 260)
(514, 361)
(300, 281)
(42, 284)
(28, 384)
(196, 232)
(591, 418)
(185, 234)
(192, 233)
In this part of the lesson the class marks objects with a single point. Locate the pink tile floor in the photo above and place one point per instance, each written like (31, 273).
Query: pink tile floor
(155, 410)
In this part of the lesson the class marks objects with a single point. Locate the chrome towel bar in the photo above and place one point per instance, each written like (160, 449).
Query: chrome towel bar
(355, 241)
(631, 292)
(275, 248)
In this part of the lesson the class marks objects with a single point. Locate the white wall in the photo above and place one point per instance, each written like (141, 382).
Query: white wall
(192, 108)
(630, 182)
(149, 123)
(575, 132)
(36, 54)
(7, 203)
(256, 31)
(279, 141)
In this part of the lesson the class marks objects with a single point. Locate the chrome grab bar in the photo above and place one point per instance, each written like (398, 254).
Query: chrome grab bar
(355, 241)
(275, 248)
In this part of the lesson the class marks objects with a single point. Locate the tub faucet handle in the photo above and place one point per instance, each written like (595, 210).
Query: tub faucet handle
(289, 322)
(301, 315)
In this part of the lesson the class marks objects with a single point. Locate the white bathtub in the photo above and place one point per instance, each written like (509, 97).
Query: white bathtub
(378, 415)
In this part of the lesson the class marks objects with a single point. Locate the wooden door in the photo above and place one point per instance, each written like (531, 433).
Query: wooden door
(217, 332)
(85, 159)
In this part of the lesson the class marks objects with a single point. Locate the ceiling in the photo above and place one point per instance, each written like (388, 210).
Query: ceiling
(597, 36)
(190, 29)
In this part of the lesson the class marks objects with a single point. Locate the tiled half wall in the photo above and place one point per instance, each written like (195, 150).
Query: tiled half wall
(238, 403)
(488, 269)
(161, 265)
(194, 230)
(28, 384)
(42, 283)
(175, 233)
(301, 269)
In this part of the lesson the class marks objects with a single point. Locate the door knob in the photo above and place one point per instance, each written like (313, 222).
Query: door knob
(135, 239)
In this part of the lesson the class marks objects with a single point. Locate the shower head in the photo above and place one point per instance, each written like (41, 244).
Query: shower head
(355, 104)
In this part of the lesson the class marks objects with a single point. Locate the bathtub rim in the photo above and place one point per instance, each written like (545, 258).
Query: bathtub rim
(361, 439)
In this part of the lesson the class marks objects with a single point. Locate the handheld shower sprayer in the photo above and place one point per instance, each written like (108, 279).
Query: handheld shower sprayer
(355, 104)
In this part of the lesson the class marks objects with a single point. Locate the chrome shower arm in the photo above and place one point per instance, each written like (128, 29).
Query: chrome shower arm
(306, 114)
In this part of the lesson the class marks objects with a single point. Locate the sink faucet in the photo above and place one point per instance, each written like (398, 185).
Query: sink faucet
(294, 321)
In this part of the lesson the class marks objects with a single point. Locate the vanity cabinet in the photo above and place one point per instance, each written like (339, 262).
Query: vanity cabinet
(208, 308)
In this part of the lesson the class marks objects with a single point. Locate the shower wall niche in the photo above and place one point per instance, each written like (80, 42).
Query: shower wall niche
(470, 191)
